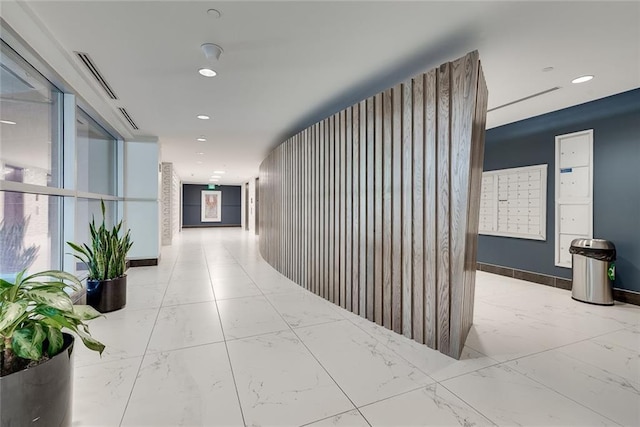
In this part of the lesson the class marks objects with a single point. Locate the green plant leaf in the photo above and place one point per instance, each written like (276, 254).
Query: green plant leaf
(27, 343)
(57, 274)
(90, 342)
(56, 299)
(85, 312)
(56, 340)
(5, 285)
(11, 311)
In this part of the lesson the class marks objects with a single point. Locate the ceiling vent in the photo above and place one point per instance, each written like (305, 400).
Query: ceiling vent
(91, 67)
(128, 118)
(523, 99)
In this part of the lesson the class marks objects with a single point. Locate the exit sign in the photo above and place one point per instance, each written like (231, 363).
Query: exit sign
(212, 186)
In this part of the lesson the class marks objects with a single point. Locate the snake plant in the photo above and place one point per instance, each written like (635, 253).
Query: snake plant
(105, 256)
(33, 311)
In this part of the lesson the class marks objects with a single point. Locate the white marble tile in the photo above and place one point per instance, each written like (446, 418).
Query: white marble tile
(627, 338)
(188, 387)
(124, 333)
(507, 397)
(610, 395)
(244, 317)
(196, 274)
(273, 285)
(280, 383)
(610, 357)
(232, 287)
(185, 326)
(364, 368)
(101, 392)
(504, 334)
(148, 275)
(345, 419)
(433, 405)
(432, 362)
(144, 296)
(188, 292)
(303, 309)
(227, 271)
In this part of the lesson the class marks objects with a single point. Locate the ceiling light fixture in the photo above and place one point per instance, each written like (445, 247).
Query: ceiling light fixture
(201, 139)
(207, 72)
(203, 117)
(214, 13)
(199, 153)
(219, 172)
(211, 51)
(7, 122)
(582, 79)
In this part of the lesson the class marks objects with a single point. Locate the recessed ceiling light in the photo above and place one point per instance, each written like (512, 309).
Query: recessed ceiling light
(199, 153)
(219, 172)
(581, 79)
(201, 139)
(7, 122)
(547, 69)
(203, 117)
(216, 176)
(207, 72)
(214, 13)
(198, 162)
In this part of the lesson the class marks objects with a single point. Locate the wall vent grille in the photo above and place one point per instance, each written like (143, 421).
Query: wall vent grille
(93, 70)
(524, 99)
(128, 118)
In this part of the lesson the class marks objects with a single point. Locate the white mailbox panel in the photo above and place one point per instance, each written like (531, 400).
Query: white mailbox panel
(513, 202)
(573, 192)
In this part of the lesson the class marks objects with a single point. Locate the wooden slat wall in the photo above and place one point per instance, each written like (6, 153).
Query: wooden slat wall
(376, 207)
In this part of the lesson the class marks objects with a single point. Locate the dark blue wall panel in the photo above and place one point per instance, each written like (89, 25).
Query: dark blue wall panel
(231, 206)
(615, 122)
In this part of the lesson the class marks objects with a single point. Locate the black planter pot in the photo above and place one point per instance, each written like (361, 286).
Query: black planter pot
(107, 295)
(39, 396)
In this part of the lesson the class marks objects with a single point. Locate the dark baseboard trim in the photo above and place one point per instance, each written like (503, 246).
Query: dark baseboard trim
(621, 295)
(212, 226)
(142, 262)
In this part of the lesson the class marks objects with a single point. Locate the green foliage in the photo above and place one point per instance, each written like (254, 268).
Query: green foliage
(14, 256)
(33, 311)
(106, 257)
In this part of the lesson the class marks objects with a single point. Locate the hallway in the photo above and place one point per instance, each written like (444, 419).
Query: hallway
(214, 336)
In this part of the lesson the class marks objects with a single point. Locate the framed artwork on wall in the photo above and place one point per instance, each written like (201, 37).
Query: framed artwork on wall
(211, 206)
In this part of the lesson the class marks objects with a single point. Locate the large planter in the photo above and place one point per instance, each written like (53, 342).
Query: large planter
(39, 396)
(107, 295)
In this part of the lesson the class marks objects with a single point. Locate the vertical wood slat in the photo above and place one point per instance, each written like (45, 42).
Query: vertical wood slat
(378, 194)
(407, 192)
(355, 278)
(362, 249)
(396, 216)
(348, 285)
(443, 213)
(417, 222)
(343, 211)
(370, 210)
(430, 211)
(376, 207)
(387, 220)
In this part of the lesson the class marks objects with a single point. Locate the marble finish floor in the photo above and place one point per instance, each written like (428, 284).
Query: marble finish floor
(214, 336)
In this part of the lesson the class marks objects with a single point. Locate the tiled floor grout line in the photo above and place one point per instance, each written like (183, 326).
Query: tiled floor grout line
(355, 407)
(155, 322)
(226, 347)
(468, 404)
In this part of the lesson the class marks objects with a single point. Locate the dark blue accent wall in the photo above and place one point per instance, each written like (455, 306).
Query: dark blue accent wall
(192, 201)
(615, 121)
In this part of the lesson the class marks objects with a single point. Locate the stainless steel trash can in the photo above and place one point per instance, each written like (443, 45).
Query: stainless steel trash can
(593, 270)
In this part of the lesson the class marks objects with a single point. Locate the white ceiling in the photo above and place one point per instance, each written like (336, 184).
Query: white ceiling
(288, 64)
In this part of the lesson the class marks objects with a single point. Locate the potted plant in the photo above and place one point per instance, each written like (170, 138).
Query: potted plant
(106, 261)
(35, 355)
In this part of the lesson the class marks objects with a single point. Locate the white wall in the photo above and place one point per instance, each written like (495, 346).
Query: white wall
(142, 191)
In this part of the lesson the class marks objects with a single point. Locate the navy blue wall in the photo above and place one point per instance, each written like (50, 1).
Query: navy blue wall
(616, 182)
(191, 206)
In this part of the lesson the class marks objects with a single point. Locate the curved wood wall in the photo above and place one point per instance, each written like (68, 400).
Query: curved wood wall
(376, 207)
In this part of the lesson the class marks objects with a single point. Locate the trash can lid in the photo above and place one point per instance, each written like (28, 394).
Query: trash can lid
(593, 244)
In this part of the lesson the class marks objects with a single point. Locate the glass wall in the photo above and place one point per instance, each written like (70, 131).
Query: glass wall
(96, 152)
(30, 123)
(39, 212)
